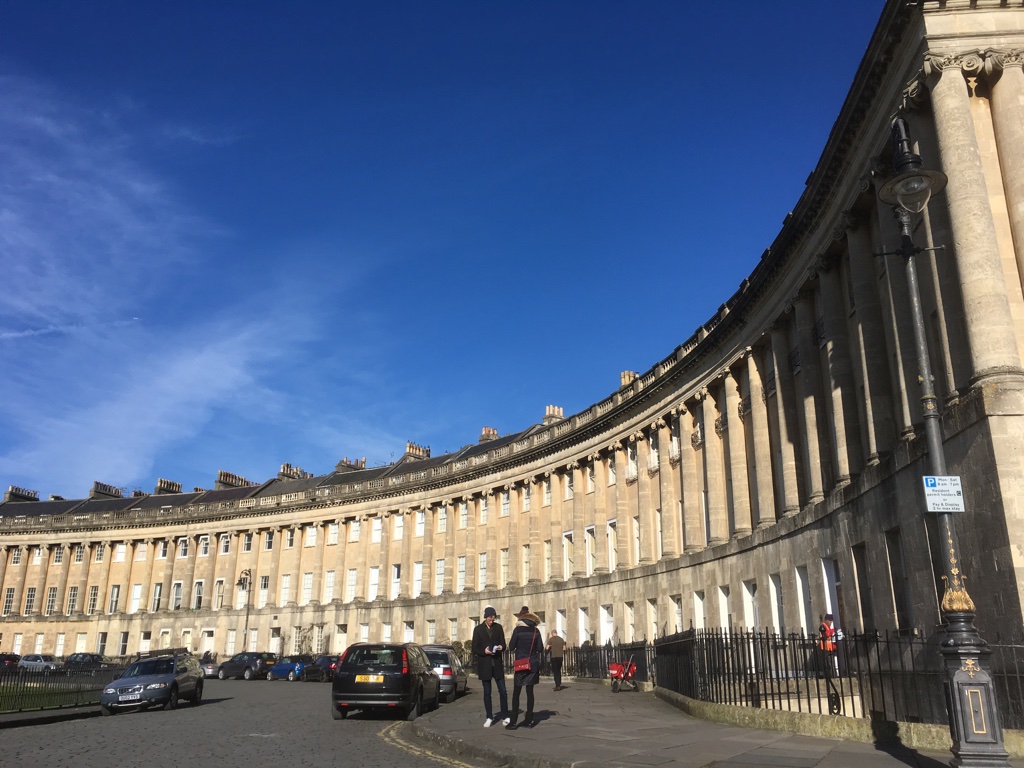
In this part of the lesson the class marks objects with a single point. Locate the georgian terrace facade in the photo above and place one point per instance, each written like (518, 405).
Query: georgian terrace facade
(765, 472)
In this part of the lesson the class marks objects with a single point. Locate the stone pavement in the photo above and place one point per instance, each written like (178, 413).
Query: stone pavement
(588, 726)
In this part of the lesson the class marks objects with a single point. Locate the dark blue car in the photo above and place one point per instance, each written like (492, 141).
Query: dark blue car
(296, 667)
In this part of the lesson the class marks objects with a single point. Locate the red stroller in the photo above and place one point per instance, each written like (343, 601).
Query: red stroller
(622, 675)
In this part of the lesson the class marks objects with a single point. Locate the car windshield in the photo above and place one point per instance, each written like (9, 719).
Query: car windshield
(150, 667)
(268, 656)
(438, 657)
(374, 656)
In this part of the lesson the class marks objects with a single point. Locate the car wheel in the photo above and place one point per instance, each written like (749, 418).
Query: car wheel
(437, 699)
(172, 702)
(291, 676)
(323, 676)
(338, 713)
(270, 675)
(415, 709)
(452, 695)
(197, 697)
(221, 675)
(247, 675)
(105, 711)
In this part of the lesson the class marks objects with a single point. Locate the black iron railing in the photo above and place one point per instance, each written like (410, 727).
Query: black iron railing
(23, 690)
(889, 676)
(593, 660)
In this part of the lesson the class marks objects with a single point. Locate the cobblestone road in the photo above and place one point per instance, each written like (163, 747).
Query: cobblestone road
(239, 725)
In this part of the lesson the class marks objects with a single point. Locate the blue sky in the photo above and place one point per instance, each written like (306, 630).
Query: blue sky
(238, 234)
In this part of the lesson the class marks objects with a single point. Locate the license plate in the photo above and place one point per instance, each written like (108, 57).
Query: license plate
(369, 678)
(129, 697)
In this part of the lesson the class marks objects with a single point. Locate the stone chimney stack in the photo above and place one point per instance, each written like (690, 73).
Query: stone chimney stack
(552, 415)
(288, 472)
(227, 480)
(166, 486)
(626, 378)
(488, 434)
(413, 451)
(350, 466)
(104, 491)
(14, 493)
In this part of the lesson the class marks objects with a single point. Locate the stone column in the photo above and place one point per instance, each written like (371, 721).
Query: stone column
(4, 555)
(691, 441)
(450, 560)
(408, 534)
(714, 471)
(869, 337)
(841, 383)
(788, 428)
(623, 519)
(600, 512)
(62, 581)
(536, 540)
(20, 579)
(316, 560)
(809, 389)
(148, 577)
(512, 579)
(645, 505)
(210, 572)
(760, 438)
(1007, 69)
(736, 443)
(990, 327)
(44, 570)
(104, 585)
(671, 492)
(493, 559)
(579, 535)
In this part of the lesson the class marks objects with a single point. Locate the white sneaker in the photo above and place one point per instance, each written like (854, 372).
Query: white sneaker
(487, 722)
(507, 721)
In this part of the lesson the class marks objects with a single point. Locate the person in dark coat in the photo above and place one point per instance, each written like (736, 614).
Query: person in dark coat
(488, 650)
(526, 643)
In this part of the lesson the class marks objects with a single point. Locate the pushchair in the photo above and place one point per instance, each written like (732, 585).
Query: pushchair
(622, 675)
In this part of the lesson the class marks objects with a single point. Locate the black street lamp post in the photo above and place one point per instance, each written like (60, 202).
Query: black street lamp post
(974, 722)
(245, 582)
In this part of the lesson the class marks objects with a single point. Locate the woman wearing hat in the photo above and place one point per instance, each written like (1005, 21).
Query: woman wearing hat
(526, 644)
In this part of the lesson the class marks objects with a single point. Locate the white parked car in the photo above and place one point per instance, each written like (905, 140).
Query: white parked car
(39, 662)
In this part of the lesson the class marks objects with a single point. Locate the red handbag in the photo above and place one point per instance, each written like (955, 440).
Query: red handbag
(523, 665)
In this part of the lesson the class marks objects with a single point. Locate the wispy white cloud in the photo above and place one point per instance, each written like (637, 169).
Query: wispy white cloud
(89, 235)
(203, 136)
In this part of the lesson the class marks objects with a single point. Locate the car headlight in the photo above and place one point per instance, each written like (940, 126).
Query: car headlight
(151, 686)
(109, 690)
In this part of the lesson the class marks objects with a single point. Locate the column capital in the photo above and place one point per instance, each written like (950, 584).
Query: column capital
(969, 64)
(996, 62)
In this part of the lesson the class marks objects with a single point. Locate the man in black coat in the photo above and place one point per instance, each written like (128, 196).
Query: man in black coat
(488, 647)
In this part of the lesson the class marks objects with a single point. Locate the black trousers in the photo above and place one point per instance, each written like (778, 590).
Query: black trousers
(529, 702)
(556, 670)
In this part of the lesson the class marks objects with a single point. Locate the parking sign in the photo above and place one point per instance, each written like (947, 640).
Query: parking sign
(943, 493)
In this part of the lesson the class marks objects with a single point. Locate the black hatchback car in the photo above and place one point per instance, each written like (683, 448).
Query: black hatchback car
(247, 665)
(88, 663)
(9, 663)
(395, 676)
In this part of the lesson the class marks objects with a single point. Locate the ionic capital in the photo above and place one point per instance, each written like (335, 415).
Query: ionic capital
(970, 64)
(998, 61)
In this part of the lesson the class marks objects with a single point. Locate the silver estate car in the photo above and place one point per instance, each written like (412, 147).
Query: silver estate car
(156, 681)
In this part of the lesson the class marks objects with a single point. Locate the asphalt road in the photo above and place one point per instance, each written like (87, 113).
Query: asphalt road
(239, 725)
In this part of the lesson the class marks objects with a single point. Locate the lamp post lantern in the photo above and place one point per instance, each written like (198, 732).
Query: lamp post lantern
(245, 582)
(974, 722)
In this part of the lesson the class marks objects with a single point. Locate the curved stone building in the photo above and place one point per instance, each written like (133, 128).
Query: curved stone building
(764, 472)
